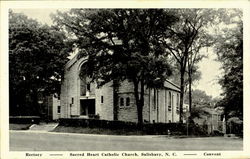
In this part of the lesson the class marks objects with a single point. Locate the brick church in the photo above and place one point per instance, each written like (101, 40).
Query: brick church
(82, 99)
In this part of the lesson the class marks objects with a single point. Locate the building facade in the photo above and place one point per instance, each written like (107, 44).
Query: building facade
(212, 120)
(54, 108)
(49, 106)
(82, 99)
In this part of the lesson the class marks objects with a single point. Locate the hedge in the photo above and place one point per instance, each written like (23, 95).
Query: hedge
(24, 119)
(146, 128)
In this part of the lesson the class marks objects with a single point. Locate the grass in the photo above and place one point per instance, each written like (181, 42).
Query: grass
(96, 131)
(19, 126)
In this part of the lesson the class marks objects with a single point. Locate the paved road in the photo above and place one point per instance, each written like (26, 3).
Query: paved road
(44, 141)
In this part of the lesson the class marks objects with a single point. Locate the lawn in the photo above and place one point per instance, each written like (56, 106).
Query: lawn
(19, 126)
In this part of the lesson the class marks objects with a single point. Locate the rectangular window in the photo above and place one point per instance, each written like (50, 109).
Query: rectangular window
(121, 102)
(58, 109)
(127, 101)
(169, 101)
(177, 103)
(72, 100)
(101, 99)
(154, 99)
(88, 87)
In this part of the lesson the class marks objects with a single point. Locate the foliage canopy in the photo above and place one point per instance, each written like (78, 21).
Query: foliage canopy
(37, 55)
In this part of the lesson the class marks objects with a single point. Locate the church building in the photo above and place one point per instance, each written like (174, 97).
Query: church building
(82, 99)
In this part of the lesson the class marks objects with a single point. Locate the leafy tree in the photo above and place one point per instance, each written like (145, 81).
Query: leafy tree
(188, 36)
(196, 75)
(229, 48)
(36, 62)
(192, 69)
(200, 99)
(122, 44)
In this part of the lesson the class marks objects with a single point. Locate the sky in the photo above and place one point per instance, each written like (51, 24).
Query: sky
(209, 67)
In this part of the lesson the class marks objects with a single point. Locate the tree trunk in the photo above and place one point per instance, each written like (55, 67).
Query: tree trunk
(140, 116)
(190, 90)
(138, 102)
(182, 95)
(115, 98)
(182, 70)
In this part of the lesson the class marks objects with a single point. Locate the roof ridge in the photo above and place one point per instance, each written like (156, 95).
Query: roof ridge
(173, 83)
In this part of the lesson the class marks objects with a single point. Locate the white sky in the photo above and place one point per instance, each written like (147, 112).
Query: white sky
(209, 68)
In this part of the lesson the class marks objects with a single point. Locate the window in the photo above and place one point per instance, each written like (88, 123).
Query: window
(88, 87)
(121, 102)
(101, 99)
(177, 103)
(154, 99)
(72, 100)
(169, 101)
(58, 109)
(127, 101)
(83, 87)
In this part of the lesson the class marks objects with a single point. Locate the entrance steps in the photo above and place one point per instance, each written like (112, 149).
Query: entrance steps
(43, 127)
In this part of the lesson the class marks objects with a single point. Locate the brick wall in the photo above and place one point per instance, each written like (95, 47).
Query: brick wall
(127, 113)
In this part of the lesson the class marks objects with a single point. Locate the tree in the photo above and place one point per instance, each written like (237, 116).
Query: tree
(122, 44)
(196, 75)
(194, 57)
(229, 48)
(200, 99)
(36, 62)
(186, 38)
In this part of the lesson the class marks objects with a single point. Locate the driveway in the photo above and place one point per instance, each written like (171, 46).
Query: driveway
(52, 141)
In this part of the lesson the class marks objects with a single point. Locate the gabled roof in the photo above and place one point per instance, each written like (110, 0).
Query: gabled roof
(168, 84)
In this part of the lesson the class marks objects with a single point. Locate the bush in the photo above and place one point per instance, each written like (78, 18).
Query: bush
(217, 133)
(146, 128)
(196, 130)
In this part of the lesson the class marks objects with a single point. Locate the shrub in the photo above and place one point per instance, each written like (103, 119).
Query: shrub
(147, 128)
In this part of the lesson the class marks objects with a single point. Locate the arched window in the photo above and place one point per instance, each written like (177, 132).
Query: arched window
(121, 102)
(169, 101)
(127, 101)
